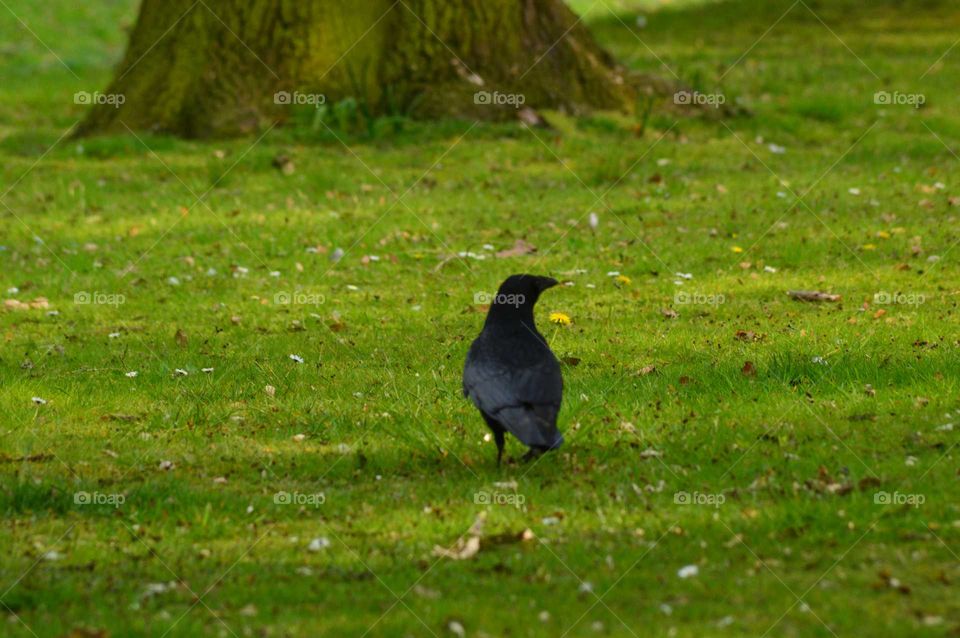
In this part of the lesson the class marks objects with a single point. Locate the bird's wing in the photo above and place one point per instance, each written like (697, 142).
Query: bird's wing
(525, 400)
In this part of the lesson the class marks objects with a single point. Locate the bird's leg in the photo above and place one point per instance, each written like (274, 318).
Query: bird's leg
(532, 454)
(498, 437)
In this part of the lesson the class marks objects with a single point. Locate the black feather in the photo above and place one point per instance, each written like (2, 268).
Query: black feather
(510, 374)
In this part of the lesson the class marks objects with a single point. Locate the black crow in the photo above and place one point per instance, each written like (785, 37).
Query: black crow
(510, 374)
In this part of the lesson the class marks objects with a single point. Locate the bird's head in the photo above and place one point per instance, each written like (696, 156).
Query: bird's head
(518, 294)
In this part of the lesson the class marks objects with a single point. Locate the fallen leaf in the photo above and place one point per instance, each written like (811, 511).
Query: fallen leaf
(40, 303)
(468, 545)
(520, 247)
(284, 163)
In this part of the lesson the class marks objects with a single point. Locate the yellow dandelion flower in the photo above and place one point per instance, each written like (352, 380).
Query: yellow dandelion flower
(560, 319)
(622, 280)
(737, 249)
(882, 234)
(869, 247)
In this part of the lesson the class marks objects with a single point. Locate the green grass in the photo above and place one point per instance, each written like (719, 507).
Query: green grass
(797, 450)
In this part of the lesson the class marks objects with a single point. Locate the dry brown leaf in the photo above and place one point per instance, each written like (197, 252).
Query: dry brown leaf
(520, 247)
(40, 303)
(467, 545)
(284, 163)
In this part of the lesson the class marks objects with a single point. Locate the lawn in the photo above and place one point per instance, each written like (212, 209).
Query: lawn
(211, 425)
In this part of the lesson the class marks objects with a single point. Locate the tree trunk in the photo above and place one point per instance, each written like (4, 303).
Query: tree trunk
(222, 67)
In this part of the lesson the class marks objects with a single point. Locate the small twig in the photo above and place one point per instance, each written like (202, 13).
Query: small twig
(812, 295)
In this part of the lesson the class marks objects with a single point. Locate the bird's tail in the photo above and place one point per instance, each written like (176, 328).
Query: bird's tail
(533, 430)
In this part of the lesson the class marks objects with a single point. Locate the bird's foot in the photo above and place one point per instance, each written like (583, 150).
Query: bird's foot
(531, 455)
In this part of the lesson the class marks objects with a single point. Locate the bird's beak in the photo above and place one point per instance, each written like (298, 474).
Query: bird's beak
(547, 282)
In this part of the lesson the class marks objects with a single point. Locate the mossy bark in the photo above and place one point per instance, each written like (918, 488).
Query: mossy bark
(213, 68)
